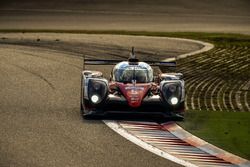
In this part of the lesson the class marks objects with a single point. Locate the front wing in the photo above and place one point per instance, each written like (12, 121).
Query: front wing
(150, 106)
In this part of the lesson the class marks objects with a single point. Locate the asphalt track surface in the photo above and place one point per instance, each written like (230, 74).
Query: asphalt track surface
(40, 121)
(134, 15)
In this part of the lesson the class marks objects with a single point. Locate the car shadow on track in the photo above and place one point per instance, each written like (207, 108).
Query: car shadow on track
(134, 117)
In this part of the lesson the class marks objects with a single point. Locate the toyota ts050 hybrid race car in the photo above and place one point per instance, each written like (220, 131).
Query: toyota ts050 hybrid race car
(132, 88)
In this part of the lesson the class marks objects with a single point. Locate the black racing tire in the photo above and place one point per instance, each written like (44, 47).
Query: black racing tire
(88, 116)
(84, 114)
(178, 117)
(81, 109)
(81, 96)
(92, 115)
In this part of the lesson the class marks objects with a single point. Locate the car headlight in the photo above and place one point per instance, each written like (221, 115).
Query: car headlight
(96, 86)
(174, 100)
(95, 98)
(171, 92)
(97, 91)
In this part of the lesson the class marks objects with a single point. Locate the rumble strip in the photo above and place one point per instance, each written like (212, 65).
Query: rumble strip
(170, 141)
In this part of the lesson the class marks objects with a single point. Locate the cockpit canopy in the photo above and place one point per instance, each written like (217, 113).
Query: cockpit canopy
(141, 72)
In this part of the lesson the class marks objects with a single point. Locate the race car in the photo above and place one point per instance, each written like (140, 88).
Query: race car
(132, 89)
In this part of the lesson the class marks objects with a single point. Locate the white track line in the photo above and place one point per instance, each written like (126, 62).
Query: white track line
(207, 47)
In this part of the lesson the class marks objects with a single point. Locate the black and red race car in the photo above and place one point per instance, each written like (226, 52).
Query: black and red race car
(132, 89)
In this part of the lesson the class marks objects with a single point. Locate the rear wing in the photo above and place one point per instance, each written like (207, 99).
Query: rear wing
(114, 62)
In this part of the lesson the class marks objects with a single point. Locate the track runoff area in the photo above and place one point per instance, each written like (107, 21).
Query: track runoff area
(170, 141)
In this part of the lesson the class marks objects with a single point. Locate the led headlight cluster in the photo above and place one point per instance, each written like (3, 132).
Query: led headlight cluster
(95, 99)
(97, 91)
(171, 92)
(174, 100)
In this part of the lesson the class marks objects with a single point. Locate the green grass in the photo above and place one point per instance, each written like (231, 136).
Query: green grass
(227, 130)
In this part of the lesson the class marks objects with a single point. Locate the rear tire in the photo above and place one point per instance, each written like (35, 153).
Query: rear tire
(85, 115)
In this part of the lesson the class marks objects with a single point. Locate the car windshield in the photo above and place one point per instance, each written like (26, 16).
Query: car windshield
(130, 73)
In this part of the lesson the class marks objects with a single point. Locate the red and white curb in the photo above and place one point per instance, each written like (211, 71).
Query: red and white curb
(170, 141)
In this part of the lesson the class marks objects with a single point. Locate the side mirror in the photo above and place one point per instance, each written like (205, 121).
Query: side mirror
(179, 75)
